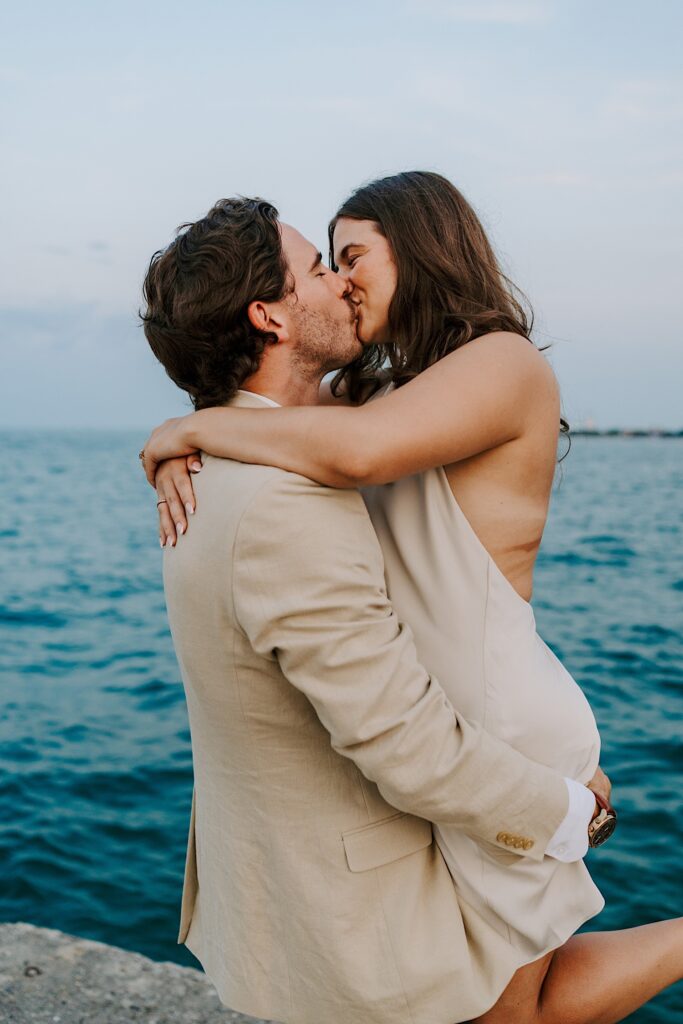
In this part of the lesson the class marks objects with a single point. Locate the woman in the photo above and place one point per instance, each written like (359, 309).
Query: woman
(456, 453)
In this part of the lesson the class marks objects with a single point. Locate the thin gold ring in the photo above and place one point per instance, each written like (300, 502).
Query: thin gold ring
(164, 501)
(141, 455)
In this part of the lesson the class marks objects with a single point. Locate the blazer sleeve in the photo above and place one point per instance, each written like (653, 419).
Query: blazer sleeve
(309, 590)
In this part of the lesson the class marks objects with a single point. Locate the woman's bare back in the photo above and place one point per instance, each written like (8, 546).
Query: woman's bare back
(505, 492)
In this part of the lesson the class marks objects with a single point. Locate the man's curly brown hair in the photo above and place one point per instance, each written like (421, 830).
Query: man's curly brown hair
(198, 290)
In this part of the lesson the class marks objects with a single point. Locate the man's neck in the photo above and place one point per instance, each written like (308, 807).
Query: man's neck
(284, 388)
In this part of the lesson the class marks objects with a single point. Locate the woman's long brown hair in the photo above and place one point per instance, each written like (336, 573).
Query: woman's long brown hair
(450, 288)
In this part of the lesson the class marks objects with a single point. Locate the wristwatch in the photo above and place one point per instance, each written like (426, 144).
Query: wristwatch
(603, 824)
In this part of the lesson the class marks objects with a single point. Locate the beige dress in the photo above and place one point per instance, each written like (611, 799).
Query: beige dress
(478, 637)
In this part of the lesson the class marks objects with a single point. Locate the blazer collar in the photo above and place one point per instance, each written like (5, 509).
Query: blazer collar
(249, 400)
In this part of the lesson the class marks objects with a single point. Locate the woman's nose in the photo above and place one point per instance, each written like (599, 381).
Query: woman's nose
(344, 285)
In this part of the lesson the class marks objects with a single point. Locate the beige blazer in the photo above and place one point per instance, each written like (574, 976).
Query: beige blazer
(314, 893)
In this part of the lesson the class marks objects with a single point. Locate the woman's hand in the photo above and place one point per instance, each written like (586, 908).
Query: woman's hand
(601, 785)
(166, 442)
(175, 496)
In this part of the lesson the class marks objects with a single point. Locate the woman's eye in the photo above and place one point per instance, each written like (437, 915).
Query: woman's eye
(352, 260)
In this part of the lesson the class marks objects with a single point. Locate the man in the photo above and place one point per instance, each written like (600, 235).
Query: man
(314, 893)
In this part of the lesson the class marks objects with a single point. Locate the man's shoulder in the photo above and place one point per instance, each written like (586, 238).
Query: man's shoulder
(292, 527)
(248, 478)
(302, 497)
(231, 473)
(259, 488)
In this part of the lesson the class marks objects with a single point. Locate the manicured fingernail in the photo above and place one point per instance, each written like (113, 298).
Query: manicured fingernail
(169, 542)
(180, 528)
(161, 543)
(189, 509)
(196, 466)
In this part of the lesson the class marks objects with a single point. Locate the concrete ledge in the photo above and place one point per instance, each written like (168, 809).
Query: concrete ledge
(47, 977)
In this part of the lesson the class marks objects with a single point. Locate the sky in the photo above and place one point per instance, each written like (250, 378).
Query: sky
(560, 122)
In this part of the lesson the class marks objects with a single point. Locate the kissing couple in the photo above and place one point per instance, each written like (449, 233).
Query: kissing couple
(395, 780)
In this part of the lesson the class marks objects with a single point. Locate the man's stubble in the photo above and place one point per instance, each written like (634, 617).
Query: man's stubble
(326, 343)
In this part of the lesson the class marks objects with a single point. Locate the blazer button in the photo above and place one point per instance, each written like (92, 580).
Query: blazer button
(528, 843)
(502, 837)
(518, 844)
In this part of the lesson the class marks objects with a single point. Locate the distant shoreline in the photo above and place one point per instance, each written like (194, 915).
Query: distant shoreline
(620, 432)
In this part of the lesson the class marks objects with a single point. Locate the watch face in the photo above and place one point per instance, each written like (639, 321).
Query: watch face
(603, 831)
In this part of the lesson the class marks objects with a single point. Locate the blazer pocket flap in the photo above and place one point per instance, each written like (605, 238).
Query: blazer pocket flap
(383, 841)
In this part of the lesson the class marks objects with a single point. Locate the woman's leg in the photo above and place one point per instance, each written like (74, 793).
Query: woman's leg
(596, 978)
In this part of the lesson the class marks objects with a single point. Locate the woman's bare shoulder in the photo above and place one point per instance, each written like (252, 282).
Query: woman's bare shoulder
(511, 356)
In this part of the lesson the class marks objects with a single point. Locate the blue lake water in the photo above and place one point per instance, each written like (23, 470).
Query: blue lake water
(95, 760)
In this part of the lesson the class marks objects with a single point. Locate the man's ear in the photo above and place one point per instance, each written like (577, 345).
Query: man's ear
(266, 318)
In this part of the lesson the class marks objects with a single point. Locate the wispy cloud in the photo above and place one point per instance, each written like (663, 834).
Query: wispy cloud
(444, 89)
(555, 179)
(506, 12)
(646, 99)
(14, 75)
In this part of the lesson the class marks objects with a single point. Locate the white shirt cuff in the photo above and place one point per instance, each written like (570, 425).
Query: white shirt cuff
(570, 842)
